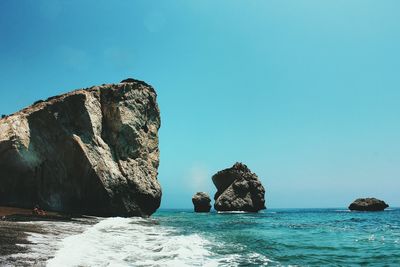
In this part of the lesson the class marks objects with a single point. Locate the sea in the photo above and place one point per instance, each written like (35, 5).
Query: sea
(275, 237)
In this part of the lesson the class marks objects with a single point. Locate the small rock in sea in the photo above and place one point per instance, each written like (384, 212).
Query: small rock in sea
(238, 190)
(201, 202)
(368, 204)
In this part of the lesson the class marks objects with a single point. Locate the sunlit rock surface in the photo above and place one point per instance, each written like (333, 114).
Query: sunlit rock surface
(368, 204)
(92, 151)
(238, 190)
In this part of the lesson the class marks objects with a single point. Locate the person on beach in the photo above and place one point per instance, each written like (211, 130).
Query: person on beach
(38, 211)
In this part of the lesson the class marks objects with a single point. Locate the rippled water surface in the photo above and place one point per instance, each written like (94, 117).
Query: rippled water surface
(316, 237)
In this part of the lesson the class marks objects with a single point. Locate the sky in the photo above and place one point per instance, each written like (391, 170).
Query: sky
(306, 93)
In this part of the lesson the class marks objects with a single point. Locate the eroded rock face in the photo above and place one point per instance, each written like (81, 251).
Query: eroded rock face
(92, 151)
(201, 202)
(238, 190)
(368, 204)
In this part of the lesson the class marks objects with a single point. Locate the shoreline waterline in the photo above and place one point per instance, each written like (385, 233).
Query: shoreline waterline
(275, 237)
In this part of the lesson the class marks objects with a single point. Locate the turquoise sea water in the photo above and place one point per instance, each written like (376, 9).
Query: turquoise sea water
(286, 237)
(303, 237)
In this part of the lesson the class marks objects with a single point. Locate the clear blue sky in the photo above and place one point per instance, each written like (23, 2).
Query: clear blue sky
(306, 93)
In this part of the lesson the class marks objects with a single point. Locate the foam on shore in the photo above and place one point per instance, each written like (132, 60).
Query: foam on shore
(139, 242)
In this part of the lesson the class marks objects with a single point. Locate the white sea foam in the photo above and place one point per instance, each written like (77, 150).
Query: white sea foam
(45, 242)
(233, 212)
(123, 242)
(139, 242)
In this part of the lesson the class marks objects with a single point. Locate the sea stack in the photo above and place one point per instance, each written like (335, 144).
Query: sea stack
(91, 151)
(368, 204)
(201, 202)
(238, 190)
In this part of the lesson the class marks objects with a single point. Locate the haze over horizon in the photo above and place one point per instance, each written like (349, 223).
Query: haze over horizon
(305, 93)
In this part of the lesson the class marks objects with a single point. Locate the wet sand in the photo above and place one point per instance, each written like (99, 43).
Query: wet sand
(13, 234)
(18, 225)
(25, 215)
(5, 211)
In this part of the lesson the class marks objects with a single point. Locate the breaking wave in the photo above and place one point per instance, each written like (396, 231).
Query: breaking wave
(139, 242)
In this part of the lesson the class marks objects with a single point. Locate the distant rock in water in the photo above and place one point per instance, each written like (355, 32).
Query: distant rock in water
(201, 202)
(91, 151)
(238, 190)
(368, 204)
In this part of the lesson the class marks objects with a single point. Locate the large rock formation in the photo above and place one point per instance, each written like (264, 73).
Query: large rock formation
(201, 202)
(92, 151)
(368, 204)
(238, 190)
